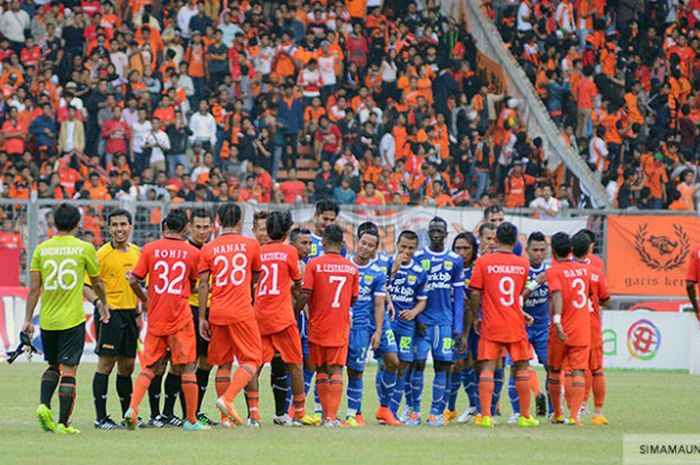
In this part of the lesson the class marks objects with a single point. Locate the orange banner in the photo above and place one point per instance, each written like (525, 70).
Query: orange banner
(647, 255)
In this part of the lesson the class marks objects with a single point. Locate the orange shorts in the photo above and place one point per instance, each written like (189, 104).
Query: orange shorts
(560, 354)
(286, 342)
(240, 340)
(322, 355)
(595, 359)
(492, 350)
(182, 345)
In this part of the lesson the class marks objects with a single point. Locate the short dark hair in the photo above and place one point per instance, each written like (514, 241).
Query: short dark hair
(486, 227)
(366, 227)
(199, 213)
(536, 236)
(260, 215)
(407, 234)
(507, 233)
(580, 243)
(229, 214)
(491, 209)
(67, 217)
(120, 212)
(296, 232)
(176, 221)
(437, 219)
(589, 233)
(327, 206)
(278, 224)
(333, 234)
(561, 244)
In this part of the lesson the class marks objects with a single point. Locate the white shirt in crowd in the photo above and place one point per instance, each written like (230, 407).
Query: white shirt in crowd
(597, 153)
(13, 24)
(326, 65)
(203, 128)
(139, 131)
(183, 19)
(70, 135)
(524, 11)
(552, 205)
(161, 139)
(387, 149)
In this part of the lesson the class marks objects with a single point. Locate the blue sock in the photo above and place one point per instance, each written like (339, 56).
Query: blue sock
(387, 385)
(513, 394)
(408, 387)
(417, 389)
(475, 383)
(308, 376)
(396, 396)
(470, 386)
(550, 407)
(497, 388)
(354, 395)
(378, 378)
(455, 383)
(439, 385)
(290, 399)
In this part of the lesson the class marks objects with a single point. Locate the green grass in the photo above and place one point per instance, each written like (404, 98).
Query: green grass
(638, 402)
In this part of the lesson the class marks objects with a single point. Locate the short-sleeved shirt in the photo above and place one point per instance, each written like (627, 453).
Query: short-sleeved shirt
(232, 259)
(599, 292)
(501, 278)
(372, 284)
(573, 280)
(332, 281)
(194, 297)
(693, 274)
(273, 300)
(444, 273)
(406, 288)
(170, 264)
(63, 262)
(114, 267)
(537, 304)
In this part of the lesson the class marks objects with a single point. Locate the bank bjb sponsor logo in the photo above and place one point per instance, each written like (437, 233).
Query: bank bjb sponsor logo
(662, 252)
(643, 340)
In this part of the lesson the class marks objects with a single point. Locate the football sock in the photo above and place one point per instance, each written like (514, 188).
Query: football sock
(471, 385)
(221, 381)
(550, 407)
(513, 394)
(454, 385)
(417, 389)
(66, 398)
(290, 395)
(397, 394)
(189, 390)
(568, 391)
(202, 384)
(280, 385)
(599, 389)
(125, 387)
(173, 385)
(253, 400)
(534, 382)
(317, 402)
(498, 377)
(486, 385)
(143, 382)
(154, 387)
(299, 405)
(578, 385)
(439, 386)
(335, 394)
(554, 388)
(354, 395)
(322, 390)
(100, 385)
(49, 383)
(378, 378)
(241, 378)
(387, 385)
(408, 388)
(308, 377)
(522, 385)
(589, 384)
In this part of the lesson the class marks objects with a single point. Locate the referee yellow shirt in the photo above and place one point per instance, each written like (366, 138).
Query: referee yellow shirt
(114, 265)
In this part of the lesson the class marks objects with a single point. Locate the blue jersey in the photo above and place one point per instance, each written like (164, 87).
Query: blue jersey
(445, 288)
(372, 284)
(317, 248)
(537, 304)
(382, 261)
(405, 290)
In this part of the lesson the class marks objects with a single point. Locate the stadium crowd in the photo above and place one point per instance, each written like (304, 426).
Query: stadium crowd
(353, 101)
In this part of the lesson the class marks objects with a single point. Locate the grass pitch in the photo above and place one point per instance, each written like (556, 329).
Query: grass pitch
(638, 402)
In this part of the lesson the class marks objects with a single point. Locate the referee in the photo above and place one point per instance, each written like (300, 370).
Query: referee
(117, 340)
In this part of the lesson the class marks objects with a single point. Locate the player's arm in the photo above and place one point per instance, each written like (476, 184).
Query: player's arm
(468, 321)
(32, 300)
(134, 283)
(691, 289)
(296, 295)
(98, 286)
(379, 304)
(390, 307)
(458, 320)
(203, 295)
(474, 301)
(410, 315)
(557, 303)
(303, 299)
(533, 285)
(254, 282)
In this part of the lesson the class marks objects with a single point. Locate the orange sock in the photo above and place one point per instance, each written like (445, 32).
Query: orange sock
(322, 389)
(298, 400)
(253, 399)
(589, 383)
(598, 389)
(555, 394)
(575, 394)
(522, 385)
(486, 384)
(241, 378)
(143, 381)
(534, 382)
(335, 394)
(190, 389)
(222, 381)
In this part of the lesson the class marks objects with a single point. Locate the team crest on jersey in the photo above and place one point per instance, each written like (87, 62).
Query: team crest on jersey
(368, 279)
(425, 264)
(448, 266)
(412, 280)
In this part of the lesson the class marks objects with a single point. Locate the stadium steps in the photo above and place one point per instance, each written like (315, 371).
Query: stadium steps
(306, 166)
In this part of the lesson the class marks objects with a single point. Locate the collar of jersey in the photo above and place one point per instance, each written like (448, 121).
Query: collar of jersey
(362, 267)
(438, 254)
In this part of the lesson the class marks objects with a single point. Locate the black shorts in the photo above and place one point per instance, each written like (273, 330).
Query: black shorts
(63, 346)
(119, 337)
(202, 344)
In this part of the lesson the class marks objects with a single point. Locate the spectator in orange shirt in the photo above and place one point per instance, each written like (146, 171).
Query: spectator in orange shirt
(439, 198)
(95, 188)
(15, 134)
(687, 189)
(515, 184)
(10, 238)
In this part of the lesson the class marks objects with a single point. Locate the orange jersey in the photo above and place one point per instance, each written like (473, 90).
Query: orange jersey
(573, 280)
(599, 292)
(501, 278)
(170, 264)
(693, 274)
(595, 261)
(273, 302)
(332, 281)
(232, 259)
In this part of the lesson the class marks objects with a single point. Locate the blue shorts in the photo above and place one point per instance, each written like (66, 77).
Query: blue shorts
(387, 344)
(357, 349)
(473, 345)
(436, 340)
(404, 340)
(539, 339)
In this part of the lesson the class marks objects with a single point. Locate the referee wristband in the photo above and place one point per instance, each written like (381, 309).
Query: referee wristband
(556, 319)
